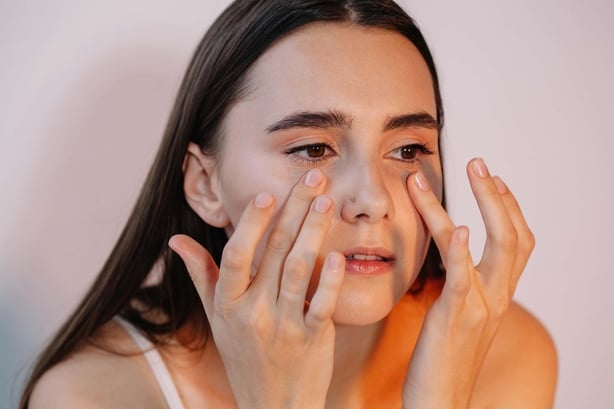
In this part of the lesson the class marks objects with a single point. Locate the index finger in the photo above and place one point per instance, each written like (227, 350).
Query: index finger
(432, 212)
(286, 229)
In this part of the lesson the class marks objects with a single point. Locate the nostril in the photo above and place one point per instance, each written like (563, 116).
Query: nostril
(367, 198)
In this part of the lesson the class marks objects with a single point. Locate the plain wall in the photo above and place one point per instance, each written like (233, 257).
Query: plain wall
(86, 88)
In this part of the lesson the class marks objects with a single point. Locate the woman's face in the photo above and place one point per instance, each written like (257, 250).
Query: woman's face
(380, 91)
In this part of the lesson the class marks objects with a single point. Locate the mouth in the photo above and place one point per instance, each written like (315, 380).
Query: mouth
(368, 261)
(365, 257)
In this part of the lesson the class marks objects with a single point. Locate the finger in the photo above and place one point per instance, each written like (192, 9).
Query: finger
(324, 301)
(432, 212)
(238, 254)
(458, 275)
(526, 239)
(200, 266)
(301, 260)
(285, 231)
(501, 237)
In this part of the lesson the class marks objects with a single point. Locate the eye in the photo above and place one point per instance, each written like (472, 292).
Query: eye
(410, 152)
(314, 152)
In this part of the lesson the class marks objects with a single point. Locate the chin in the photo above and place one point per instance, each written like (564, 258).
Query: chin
(364, 306)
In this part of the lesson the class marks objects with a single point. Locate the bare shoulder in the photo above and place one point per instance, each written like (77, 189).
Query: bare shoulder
(114, 376)
(520, 370)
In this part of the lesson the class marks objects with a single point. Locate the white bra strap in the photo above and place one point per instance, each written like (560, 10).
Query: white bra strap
(159, 369)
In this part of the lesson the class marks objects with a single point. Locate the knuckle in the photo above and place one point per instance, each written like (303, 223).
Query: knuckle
(296, 267)
(499, 307)
(256, 321)
(226, 311)
(291, 295)
(291, 331)
(321, 315)
(528, 242)
(479, 316)
(460, 288)
(507, 241)
(233, 257)
(445, 231)
(279, 241)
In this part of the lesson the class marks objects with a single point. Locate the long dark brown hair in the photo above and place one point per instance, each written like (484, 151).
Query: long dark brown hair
(214, 81)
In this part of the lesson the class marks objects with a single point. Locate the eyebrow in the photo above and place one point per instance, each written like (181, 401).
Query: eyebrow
(338, 119)
(319, 120)
(414, 120)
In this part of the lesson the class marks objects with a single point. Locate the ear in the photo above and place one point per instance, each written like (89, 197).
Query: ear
(200, 185)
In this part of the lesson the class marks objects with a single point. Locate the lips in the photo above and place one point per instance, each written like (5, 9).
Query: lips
(368, 261)
(365, 257)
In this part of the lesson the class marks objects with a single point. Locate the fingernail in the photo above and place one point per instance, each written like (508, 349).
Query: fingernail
(314, 177)
(421, 181)
(501, 187)
(479, 167)
(334, 261)
(171, 242)
(263, 200)
(322, 204)
(463, 235)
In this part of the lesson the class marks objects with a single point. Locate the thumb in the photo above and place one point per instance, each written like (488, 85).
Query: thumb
(200, 265)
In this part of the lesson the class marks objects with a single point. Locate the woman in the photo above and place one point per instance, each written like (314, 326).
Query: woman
(300, 184)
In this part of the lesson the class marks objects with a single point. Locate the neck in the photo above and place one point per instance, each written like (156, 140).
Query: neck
(354, 348)
(371, 361)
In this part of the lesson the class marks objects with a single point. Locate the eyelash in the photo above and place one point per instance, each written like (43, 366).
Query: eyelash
(294, 152)
(418, 148)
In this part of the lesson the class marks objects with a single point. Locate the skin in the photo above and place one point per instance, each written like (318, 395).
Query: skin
(364, 176)
(360, 340)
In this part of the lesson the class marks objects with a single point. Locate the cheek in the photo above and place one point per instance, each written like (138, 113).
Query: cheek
(411, 233)
(433, 173)
(242, 183)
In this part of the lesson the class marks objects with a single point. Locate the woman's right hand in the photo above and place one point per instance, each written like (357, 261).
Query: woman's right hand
(277, 352)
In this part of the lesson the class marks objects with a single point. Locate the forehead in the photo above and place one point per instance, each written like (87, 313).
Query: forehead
(368, 72)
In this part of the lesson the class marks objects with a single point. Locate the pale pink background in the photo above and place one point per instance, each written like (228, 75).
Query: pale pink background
(86, 87)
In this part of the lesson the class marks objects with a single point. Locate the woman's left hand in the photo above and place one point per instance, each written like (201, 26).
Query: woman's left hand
(461, 324)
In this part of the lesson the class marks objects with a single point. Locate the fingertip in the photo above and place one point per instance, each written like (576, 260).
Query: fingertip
(263, 200)
(324, 301)
(175, 243)
(314, 177)
(335, 261)
(457, 274)
(323, 204)
(478, 167)
(333, 271)
(172, 242)
(188, 249)
(199, 265)
(500, 184)
(462, 234)
(179, 242)
(421, 181)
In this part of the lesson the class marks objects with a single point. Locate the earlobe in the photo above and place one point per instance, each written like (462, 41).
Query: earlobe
(201, 188)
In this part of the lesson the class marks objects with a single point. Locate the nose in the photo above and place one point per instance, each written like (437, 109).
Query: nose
(365, 195)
